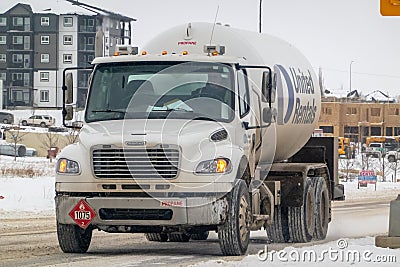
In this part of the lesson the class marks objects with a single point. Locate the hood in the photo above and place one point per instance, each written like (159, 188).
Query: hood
(149, 132)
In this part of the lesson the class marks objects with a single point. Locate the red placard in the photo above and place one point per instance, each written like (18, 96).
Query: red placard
(82, 214)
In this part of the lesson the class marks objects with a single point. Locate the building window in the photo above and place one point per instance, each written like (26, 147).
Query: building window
(3, 58)
(90, 22)
(18, 21)
(44, 39)
(68, 22)
(67, 58)
(3, 21)
(90, 40)
(3, 76)
(44, 76)
(18, 39)
(67, 39)
(394, 112)
(17, 58)
(3, 39)
(44, 95)
(90, 58)
(351, 111)
(376, 131)
(327, 111)
(327, 129)
(16, 76)
(376, 112)
(45, 21)
(44, 58)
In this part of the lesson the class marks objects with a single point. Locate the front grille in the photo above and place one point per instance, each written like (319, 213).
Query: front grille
(135, 214)
(143, 163)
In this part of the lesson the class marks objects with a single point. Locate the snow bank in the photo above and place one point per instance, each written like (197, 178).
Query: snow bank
(343, 252)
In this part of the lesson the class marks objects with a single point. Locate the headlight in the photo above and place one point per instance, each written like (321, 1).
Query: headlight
(219, 165)
(67, 166)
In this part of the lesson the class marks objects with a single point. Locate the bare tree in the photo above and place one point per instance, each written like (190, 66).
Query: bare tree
(16, 137)
(73, 136)
(49, 140)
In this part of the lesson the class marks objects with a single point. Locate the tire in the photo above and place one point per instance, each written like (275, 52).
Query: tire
(24, 123)
(234, 234)
(322, 216)
(180, 237)
(301, 220)
(5, 121)
(391, 158)
(157, 237)
(73, 239)
(200, 236)
(278, 232)
(43, 124)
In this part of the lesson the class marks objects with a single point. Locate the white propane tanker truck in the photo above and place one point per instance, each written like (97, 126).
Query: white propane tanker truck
(206, 129)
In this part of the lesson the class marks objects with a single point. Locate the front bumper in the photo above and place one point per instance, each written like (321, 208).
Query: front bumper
(182, 211)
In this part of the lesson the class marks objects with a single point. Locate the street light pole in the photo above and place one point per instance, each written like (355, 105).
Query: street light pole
(260, 17)
(350, 76)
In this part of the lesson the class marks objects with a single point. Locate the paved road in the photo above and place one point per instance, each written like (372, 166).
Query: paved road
(33, 242)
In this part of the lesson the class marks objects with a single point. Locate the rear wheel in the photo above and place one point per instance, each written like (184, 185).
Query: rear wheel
(24, 123)
(42, 124)
(301, 220)
(158, 237)
(234, 234)
(321, 208)
(73, 239)
(5, 121)
(200, 236)
(278, 231)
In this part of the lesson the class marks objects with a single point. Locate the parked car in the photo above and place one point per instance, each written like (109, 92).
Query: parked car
(6, 118)
(377, 149)
(393, 156)
(40, 120)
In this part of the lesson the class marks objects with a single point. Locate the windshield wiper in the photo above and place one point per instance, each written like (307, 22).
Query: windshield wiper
(109, 111)
(172, 109)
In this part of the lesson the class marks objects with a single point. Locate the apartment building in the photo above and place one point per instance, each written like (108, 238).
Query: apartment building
(358, 120)
(35, 48)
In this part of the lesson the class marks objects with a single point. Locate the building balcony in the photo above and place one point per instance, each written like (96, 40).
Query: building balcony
(84, 29)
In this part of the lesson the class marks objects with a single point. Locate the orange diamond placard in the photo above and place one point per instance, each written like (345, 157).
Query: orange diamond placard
(82, 214)
(390, 7)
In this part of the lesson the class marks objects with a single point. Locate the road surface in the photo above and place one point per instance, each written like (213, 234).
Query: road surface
(33, 241)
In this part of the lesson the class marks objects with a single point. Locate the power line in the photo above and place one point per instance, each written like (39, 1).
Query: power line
(362, 73)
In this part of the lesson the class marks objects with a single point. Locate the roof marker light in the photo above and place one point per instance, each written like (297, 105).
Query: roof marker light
(164, 52)
(144, 53)
(185, 53)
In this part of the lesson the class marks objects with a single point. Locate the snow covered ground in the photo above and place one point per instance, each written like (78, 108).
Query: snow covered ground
(27, 190)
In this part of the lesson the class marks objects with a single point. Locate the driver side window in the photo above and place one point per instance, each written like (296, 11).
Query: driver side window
(243, 90)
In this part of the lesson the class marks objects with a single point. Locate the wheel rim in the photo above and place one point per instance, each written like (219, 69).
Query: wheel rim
(243, 218)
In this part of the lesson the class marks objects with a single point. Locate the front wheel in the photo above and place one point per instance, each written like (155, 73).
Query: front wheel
(73, 239)
(234, 234)
(24, 123)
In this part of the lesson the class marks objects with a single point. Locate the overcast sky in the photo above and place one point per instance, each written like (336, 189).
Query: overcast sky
(331, 34)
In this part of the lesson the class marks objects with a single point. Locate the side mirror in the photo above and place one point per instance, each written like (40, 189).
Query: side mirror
(267, 84)
(69, 83)
(69, 113)
(267, 115)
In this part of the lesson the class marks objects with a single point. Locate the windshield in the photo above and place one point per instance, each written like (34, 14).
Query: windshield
(157, 90)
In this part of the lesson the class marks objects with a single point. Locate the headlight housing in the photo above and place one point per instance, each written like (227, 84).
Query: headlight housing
(66, 166)
(218, 165)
